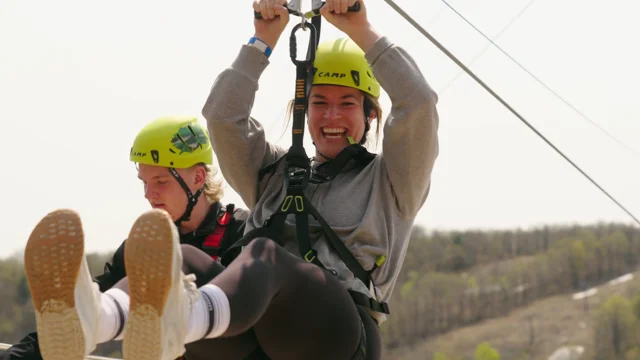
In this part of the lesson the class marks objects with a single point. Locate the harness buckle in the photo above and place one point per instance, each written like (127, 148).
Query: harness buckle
(383, 305)
(298, 172)
(298, 179)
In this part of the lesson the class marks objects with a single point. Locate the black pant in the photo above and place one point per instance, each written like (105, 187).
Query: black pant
(281, 306)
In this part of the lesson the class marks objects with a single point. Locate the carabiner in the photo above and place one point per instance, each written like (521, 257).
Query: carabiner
(311, 49)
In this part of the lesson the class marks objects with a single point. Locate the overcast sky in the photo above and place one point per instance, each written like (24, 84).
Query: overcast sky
(78, 79)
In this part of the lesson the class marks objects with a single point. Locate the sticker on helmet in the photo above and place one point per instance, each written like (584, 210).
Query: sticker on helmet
(189, 138)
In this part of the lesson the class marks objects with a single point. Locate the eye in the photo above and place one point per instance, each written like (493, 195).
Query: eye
(319, 103)
(162, 182)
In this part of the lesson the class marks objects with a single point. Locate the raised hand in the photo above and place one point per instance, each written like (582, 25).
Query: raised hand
(274, 19)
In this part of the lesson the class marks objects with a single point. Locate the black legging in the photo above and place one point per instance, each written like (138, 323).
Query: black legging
(281, 306)
(244, 346)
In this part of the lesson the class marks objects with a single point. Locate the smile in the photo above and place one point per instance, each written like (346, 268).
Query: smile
(334, 132)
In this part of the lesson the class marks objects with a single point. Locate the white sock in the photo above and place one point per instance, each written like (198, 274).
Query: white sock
(209, 316)
(113, 315)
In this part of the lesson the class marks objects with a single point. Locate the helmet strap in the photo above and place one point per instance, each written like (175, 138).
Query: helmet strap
(367, 106)
(364, 134)
(192, 199)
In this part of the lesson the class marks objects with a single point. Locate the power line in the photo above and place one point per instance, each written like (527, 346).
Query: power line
(635, 152)
(406, 16)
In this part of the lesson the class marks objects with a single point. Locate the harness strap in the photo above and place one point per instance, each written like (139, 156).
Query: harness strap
(329, 170)
(214, 242)
(337, 244)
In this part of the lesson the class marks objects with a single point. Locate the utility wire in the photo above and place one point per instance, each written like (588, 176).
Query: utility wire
(406, 16)
(635, 152)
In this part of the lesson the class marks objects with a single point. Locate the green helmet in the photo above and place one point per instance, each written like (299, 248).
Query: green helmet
(342, 62)
(174, 142)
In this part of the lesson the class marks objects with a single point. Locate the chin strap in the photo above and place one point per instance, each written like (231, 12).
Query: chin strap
(192, 199)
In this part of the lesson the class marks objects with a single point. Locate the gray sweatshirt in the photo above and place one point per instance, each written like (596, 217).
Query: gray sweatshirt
(372, 209)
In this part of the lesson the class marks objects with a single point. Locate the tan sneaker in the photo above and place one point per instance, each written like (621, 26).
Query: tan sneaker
(65, 298)
(159, 296)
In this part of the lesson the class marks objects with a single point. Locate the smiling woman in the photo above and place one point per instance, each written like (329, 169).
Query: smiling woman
(339, 96)
(364, 204)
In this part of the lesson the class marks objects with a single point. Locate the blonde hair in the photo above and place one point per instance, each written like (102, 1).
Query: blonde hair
(373, 103)
(213, 190)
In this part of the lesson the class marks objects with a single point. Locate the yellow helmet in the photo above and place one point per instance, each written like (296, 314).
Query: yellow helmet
(342, 62)
(174, 142)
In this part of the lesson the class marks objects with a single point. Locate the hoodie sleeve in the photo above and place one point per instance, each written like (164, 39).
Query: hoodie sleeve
(238, 139)
(410, 144)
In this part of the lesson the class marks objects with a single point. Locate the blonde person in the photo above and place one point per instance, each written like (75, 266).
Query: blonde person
(174, 160)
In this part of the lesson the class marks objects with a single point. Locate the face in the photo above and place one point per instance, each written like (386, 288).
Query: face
(163, 191)
(335, 112)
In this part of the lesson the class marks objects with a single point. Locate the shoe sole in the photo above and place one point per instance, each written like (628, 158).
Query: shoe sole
(148, 255)
(52, 261)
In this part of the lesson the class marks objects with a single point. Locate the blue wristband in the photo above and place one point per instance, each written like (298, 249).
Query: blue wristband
(261, 45)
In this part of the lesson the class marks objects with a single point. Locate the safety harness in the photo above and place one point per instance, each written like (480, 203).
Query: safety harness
(214, 244)
(298, 173)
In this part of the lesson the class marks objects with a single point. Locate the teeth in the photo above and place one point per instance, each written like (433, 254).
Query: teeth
(334, 130)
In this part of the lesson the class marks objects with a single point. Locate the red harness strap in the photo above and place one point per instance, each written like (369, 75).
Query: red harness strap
(214, 239)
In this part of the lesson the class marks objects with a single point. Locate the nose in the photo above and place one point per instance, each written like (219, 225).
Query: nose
(332, 112)
(149, 192)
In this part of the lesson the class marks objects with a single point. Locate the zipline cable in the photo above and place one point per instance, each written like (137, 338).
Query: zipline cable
(406, 16)
(566, 102)
(478, 55)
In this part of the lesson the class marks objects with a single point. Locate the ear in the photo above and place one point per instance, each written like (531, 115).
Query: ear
(372, 115)
(200, 176)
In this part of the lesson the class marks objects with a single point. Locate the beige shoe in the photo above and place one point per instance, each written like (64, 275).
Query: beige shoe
(65, 298)
(159, 297)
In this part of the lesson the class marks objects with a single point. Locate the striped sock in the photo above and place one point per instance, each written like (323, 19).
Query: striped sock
(210, 315)
(113, 315)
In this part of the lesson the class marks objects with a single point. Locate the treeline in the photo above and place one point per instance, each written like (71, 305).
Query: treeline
(617, 328)
(429, 303)
(458, 251)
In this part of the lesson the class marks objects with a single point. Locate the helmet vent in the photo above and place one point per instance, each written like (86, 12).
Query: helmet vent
(356, 77)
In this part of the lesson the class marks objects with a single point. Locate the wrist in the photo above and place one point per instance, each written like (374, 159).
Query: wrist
(259, 44)
(265, 38)
(365, 37)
